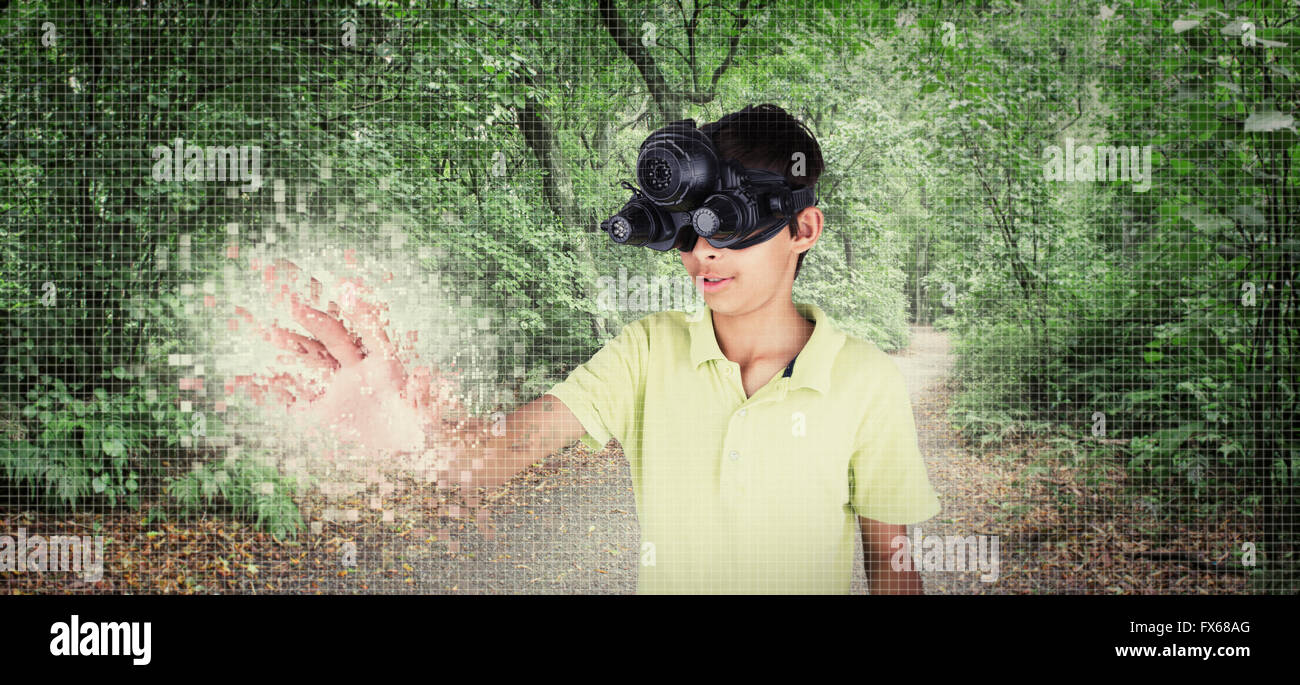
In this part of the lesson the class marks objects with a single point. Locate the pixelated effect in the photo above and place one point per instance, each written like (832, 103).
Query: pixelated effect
(671, 297)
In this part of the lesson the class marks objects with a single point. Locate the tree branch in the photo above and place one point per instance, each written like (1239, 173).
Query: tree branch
(741, 22)
(640, 57)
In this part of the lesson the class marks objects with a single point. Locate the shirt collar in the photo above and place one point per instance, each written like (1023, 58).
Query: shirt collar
(813, 367)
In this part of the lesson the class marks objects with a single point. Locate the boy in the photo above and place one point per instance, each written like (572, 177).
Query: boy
(760, 436)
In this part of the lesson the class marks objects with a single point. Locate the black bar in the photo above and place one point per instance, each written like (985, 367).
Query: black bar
(293, 635)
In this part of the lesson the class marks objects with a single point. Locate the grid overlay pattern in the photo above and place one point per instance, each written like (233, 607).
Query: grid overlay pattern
(283, 289)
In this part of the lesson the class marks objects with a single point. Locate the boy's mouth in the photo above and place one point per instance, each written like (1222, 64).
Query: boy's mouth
(713, 283)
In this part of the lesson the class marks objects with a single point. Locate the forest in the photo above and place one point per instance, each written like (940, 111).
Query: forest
(1094, 202)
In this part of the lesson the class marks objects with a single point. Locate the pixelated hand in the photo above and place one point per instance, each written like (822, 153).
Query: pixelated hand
(470, 462)
(358, 389)
(348, 380)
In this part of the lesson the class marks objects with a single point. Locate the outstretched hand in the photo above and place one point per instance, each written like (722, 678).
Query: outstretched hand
(350, 383)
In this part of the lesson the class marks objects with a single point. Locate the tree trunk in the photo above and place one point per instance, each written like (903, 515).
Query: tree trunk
(557, 189)
(668, 104)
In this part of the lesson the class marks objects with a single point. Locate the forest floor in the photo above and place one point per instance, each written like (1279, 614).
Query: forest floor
(1061, 528)
(569, 526)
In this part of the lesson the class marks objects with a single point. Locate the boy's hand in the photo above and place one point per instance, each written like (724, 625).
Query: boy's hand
(355, 384)
(474, 454)
(358, 389)
(467, 457)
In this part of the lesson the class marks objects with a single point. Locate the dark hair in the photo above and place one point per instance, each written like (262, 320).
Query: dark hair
(767, 137)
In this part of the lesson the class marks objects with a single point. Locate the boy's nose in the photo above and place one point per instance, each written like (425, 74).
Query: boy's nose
(702, 248)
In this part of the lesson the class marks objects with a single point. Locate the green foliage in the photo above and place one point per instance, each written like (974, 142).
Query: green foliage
(1171, 311)
(242, 488)
(496, 140)
(74, 450)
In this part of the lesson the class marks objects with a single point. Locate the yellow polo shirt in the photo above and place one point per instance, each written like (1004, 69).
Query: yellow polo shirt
(758, 494)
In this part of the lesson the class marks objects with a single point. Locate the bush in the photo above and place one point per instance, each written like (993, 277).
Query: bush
(72, 451)
(244, 488)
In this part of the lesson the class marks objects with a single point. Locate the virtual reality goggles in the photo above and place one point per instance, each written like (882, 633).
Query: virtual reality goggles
(688, 192)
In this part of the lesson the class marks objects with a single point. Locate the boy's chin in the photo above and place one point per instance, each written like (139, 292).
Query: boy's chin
(722, 303)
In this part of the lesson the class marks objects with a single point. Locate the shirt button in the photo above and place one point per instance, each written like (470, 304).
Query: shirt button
(735, 455)
(742, 412)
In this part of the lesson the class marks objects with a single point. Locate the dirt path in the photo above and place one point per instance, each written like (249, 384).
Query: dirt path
(1059, 530)
(926, 364)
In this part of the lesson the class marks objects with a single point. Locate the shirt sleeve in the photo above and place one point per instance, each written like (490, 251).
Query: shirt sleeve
(603, 392)
(888, 481)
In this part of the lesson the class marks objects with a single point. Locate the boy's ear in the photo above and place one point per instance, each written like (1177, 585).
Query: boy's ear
(810, 222)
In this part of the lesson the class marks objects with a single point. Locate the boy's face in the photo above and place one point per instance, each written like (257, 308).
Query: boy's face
(756, 274)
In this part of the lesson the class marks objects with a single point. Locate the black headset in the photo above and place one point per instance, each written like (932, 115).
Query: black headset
(689, 192)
